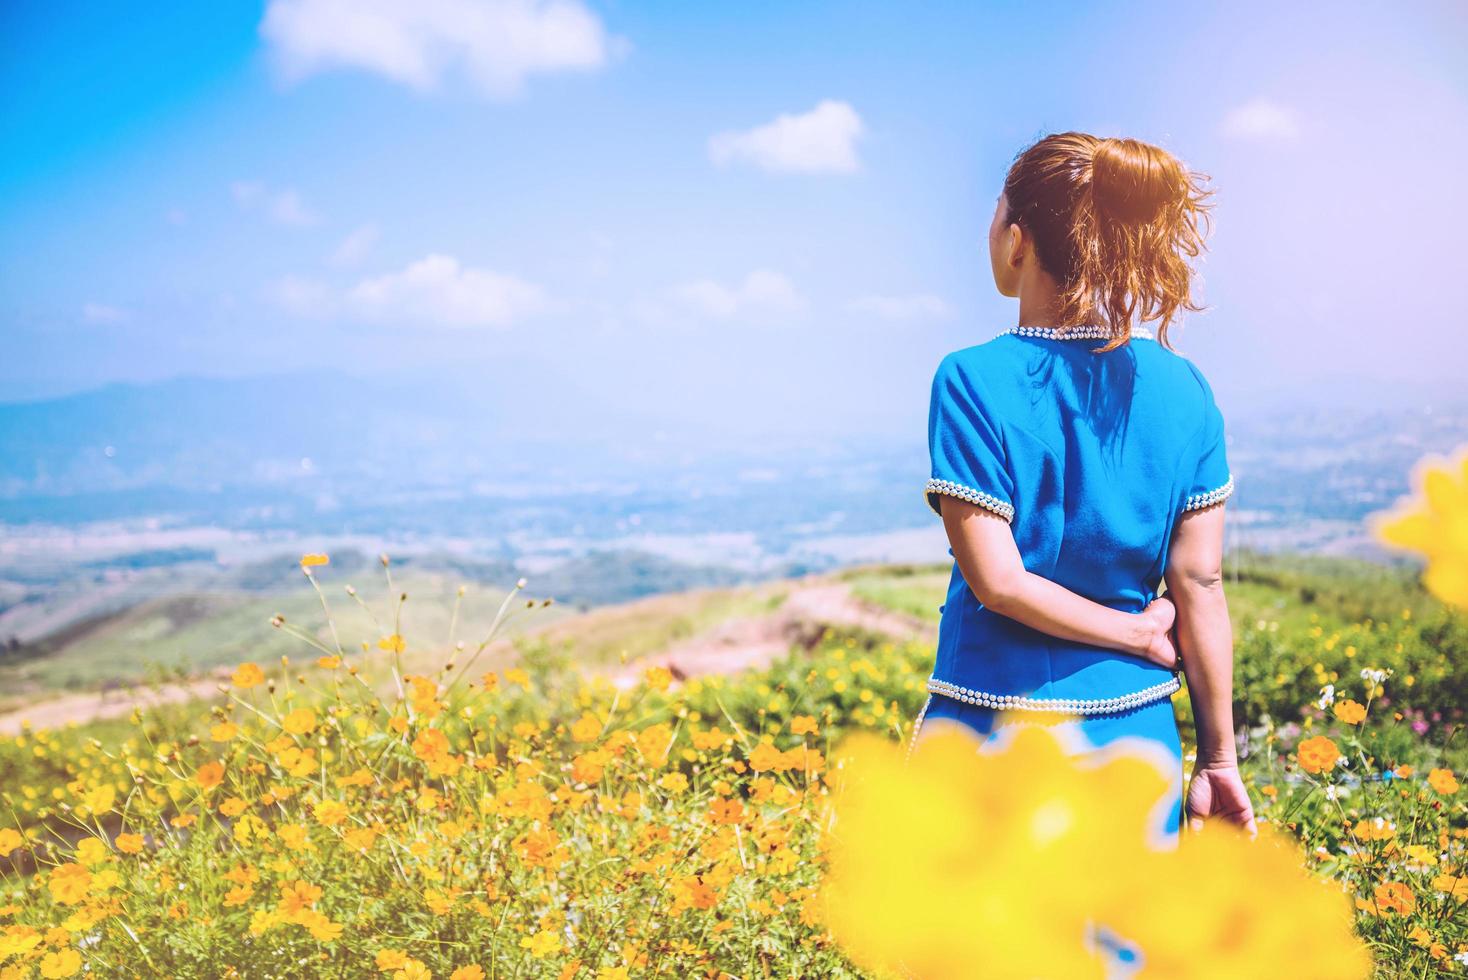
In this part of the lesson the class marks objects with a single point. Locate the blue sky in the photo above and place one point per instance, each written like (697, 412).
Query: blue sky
(756, 214)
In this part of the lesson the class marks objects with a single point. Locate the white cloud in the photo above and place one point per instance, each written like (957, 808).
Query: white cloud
(435, 291)
(282, 206)
(495, 44)
(821, 141)
(1261, 119)
(354, 248)
(916, 306)
(761, 292)
(102, 313)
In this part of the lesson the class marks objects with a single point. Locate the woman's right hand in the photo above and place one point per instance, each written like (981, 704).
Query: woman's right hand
(1159, 616)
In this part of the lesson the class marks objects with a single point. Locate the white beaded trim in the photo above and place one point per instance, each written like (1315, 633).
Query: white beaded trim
(986, 500)
(1081, 331)
(917, 726)
(1074, 706)
(1211, 497)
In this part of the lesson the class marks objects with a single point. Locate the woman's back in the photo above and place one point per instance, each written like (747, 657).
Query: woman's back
(1092, 457)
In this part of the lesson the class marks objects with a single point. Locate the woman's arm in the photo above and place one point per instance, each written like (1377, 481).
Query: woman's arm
(1194, 577)
(984, 546)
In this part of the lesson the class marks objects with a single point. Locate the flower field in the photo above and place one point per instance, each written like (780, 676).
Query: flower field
(334, 815)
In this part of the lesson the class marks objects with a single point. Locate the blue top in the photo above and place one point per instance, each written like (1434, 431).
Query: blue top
(1092, 458)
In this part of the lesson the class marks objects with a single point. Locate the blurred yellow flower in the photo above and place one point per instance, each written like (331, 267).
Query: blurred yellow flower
(329, 813)
(301, 721)
(472, 972)
(224, 731)
(392, 643)
(658, 678)
(10, 839)
(542, 944)
(248, 675)
(70, 883)
(312, 560)
(129, 843)
(1435, 525)
(99, 799)
(61, 963)
(209, 775)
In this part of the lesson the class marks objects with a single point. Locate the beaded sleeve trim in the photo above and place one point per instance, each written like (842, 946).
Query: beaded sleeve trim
(1074, 706)
(985, 500)
(1211, 497)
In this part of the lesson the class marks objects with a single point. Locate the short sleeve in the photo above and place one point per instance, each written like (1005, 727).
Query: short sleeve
(966, 445)
(1213, 482)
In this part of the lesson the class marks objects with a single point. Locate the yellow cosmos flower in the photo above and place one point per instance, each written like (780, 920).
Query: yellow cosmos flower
(301, 721)
(1350, 712)
(129, 843)
(10, 840)
(329, 813)
(413, 970)
(91, 852)
(471, 972)
(314, 559)
(224, 731)
(1435, 525)
(544, 943)
(1454, 886)
(61, 963)
(248, 675)
(658, 678)
(392, 643)
(70, 883)
(100, 799)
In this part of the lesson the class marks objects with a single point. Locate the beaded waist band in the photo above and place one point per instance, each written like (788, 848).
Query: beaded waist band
(1074, 706)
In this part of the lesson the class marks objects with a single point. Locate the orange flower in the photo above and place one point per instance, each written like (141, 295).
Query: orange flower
(297, 895)
(803, 725)
(1317, 754)
(1350, 712)
(726, 812)
(431, 745)
(766, 757)
(248, 675)
(210, 775)
(1393, 897)
(1443, 781)
(129, 843)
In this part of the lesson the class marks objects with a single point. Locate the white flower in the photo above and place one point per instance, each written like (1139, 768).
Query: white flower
(1334, 793)
(1327, 697)
(1462, 957)
(1374, 675)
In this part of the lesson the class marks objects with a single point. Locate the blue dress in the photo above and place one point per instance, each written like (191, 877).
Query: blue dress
(1092, 458)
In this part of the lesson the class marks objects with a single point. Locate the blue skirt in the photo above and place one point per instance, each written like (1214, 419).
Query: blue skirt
(1153, 722)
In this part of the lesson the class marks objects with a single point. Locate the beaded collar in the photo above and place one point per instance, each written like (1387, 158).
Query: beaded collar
(1083, 331)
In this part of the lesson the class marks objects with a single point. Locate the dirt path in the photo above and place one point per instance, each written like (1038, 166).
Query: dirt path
(737, 644)
(102, 705)
(756, 641)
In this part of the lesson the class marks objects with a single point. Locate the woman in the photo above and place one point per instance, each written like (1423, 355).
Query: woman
(1078, 462)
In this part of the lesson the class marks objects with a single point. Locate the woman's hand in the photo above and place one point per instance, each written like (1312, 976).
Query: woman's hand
(1217, 791)
(1158, 619)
